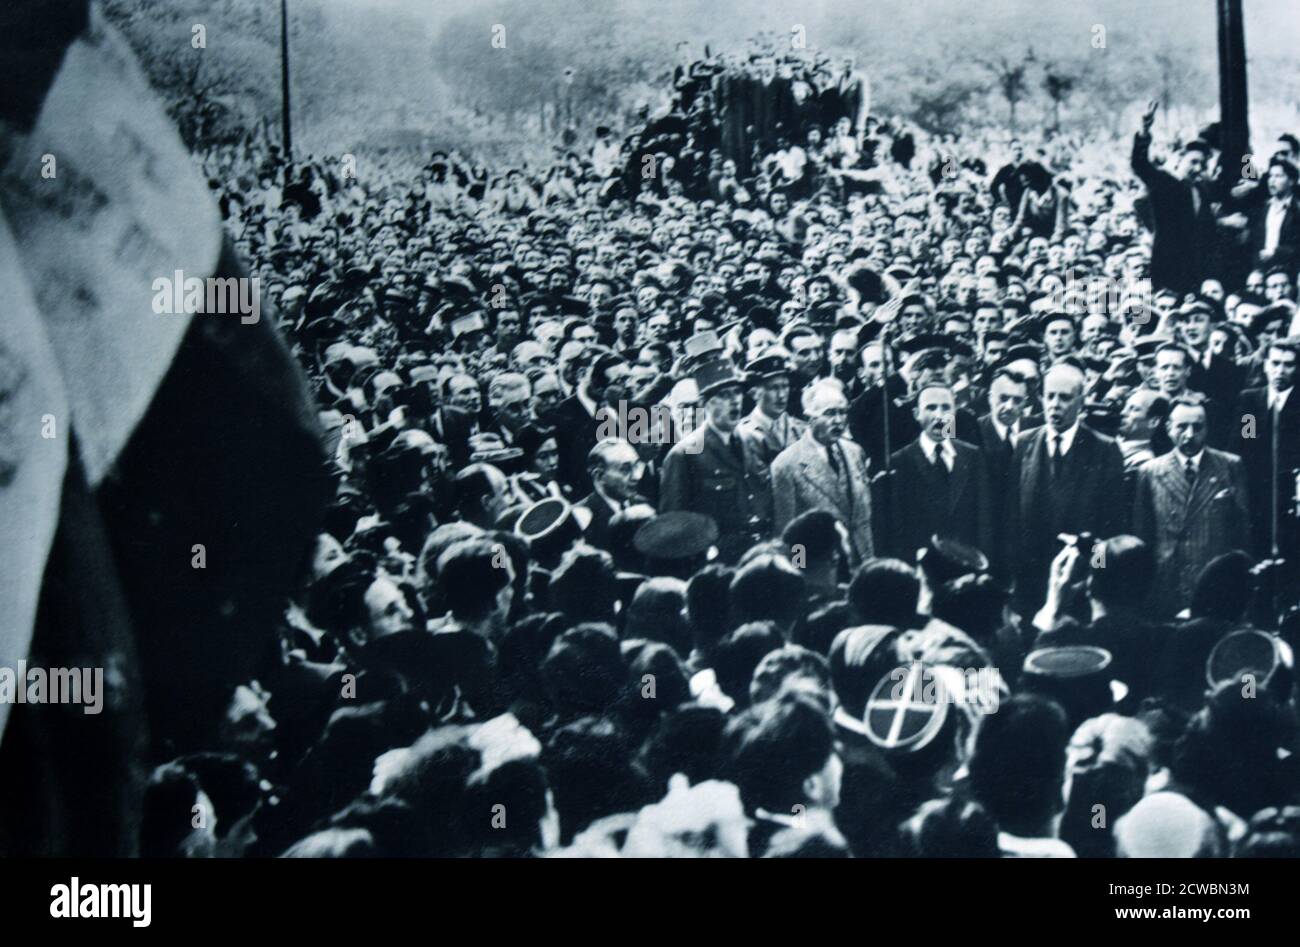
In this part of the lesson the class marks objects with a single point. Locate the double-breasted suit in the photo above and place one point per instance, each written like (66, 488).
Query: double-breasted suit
(803, 479)
(1187, 522)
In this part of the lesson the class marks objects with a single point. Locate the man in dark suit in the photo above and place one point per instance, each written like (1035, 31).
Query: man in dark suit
(1183, 220)
(716, 471)
(1064, 478)
(939, 485)
(615, 467)
(1008, 400)
(592, 412)
(1267, 436)
(1190, 507)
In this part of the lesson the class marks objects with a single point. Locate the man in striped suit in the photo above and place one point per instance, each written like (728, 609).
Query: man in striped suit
(1191, 506)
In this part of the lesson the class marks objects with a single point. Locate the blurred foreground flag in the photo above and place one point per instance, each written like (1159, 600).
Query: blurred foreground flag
(157, 533)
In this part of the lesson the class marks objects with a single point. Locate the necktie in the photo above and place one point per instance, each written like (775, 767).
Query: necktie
(1190, 468)
(834, 460)
(940, 467)
(1055, 441)
(737, 449)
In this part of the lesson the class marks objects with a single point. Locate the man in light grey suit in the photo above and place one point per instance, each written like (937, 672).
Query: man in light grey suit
(824, 470)
(1190, 506)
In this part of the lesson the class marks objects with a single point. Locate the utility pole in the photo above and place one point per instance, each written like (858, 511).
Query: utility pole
(1233, 111)
(285, 125)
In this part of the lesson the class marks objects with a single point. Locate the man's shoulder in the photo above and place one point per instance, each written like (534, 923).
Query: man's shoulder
(852, 449)
(1026, 441)
(1222, 457)
(1155, 465)
(1101, 442)
(690, 445)
(790, 455)
(569, 407)
(912, 451)
(1259, 394)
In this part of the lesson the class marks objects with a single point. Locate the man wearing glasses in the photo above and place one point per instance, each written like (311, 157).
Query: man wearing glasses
(615, 471)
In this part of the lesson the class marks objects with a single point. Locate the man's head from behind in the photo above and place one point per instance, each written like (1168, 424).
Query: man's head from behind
(781, 755)
(1017, 767)
(885, 592)
(1121, 572)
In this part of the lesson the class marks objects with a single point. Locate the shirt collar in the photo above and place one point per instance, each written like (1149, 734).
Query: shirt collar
(1067, 437)
(1001, 429)
(929, 445)
(1196, 460)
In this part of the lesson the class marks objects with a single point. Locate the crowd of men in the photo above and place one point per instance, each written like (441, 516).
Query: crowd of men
(779, 482)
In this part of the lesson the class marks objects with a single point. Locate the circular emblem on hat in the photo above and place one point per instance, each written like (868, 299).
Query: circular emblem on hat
(1069, 661)
(906, 710)
(1245, 651)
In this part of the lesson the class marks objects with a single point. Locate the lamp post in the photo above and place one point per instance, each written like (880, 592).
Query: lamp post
(285, 124)
(1233, 112)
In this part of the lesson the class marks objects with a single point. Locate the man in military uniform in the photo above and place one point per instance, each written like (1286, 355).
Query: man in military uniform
(717, 471)
(770, 425)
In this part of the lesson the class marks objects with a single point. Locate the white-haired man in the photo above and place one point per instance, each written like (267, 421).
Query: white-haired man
(1064, 478)
(825, 470)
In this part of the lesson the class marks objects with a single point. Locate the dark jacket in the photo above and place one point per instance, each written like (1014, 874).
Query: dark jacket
(926, 503)
(1184, 232)
(1087, 496)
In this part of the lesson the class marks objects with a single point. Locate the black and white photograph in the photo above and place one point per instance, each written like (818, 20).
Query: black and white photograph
(648, 429)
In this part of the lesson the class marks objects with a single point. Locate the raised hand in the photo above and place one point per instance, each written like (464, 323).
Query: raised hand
(1149, 116)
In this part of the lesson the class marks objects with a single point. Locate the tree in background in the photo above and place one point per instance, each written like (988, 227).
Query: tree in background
(1011, 75)
(1058, 86)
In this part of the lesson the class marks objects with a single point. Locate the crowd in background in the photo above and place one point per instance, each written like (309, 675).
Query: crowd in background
(774, 480)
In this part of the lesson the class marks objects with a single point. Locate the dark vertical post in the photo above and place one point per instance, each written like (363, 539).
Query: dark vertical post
(1232, 89)
(284, 82)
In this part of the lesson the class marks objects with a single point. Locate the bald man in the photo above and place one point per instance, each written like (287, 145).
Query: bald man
(1064, 478)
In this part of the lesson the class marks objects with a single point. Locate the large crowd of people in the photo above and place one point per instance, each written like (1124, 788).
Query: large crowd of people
(771, 480)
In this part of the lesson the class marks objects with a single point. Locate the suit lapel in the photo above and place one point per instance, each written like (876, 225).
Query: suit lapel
(1211, 478)
(1073, 465)
(1175, 479)
(957, 482)
(818, 474)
